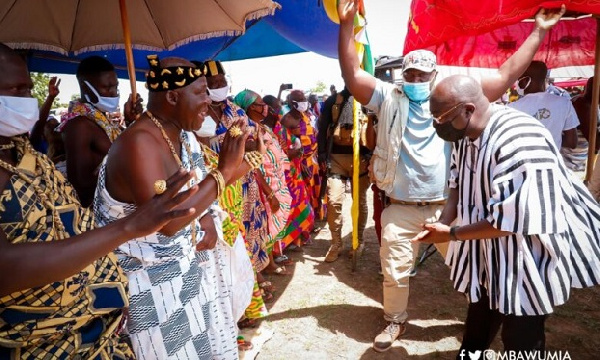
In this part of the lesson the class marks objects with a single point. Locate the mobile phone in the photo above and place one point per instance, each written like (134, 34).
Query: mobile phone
(289, 86)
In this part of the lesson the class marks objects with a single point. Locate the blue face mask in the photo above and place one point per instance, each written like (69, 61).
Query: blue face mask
(417, 91)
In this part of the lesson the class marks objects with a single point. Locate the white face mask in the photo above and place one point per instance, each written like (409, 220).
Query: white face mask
(218, 95)
(17, 115)
(521, 91)
(208, 128)
(105, 103)
(301, 106)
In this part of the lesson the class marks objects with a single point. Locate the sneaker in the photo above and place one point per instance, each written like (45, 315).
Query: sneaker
(387, 337)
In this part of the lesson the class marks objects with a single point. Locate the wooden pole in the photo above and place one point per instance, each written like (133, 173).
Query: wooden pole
(594, 113)
(128, 49)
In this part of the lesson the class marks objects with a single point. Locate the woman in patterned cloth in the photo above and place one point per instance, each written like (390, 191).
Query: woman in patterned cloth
(301, 217)
(254, 215)
(232, 201)
(181, 299)
(273, 170)
(298, 124)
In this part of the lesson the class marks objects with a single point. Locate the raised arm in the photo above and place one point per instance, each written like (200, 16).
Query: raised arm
(37, 133)
(40, 263)
(493, 87)
(360, 83)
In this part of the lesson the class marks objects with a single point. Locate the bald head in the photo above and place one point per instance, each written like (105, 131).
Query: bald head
(456, 89)
(297, 95)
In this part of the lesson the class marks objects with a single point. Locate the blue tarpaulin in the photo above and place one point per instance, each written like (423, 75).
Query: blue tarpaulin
(298, 27)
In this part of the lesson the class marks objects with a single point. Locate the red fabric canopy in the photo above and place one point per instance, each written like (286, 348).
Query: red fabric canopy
(567, 83)
(486, 33)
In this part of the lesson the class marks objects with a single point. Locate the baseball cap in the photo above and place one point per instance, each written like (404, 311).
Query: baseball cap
(423, 60)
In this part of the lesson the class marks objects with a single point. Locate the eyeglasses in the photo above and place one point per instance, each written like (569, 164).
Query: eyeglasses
(438, 119)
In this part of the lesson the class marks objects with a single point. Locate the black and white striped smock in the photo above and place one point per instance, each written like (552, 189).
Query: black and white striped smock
(514, 177)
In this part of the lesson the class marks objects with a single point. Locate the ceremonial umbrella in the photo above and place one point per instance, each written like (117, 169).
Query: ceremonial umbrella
(486, 33)
(75, 26)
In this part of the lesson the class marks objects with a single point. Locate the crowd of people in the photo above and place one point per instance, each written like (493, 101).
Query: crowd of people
(148, 234)
(189, 280)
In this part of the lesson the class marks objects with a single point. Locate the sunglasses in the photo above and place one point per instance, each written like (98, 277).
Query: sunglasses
(438, 119)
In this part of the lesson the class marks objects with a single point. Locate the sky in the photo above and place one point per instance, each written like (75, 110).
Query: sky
(387, 24)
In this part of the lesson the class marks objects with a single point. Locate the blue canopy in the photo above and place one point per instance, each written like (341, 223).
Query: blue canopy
(298, 27)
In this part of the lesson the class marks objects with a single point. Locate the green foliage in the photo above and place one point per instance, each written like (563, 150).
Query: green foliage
(319, 88)
(40, 89)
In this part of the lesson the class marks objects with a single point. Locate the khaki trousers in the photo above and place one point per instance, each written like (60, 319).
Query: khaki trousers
(341, 164)
(400, 223)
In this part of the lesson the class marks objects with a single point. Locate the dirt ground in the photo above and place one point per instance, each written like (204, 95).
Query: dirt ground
(326, 311)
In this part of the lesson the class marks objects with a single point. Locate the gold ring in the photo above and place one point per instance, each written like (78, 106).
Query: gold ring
(160, 186)
(235, 131)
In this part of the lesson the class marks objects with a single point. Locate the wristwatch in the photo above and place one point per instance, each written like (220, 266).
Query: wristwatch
(453, 233)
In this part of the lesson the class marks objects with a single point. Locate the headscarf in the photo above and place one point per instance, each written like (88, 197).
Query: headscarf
(245, 98)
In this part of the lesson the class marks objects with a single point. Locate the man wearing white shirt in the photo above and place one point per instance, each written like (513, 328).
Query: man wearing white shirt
(556, 113)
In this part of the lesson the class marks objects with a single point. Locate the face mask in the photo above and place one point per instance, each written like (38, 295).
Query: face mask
(208, 128)
(105, 103)
(218, 95)
(17, 115)
(449, 133)
(301, 106)
(417, 91)
(521, 91)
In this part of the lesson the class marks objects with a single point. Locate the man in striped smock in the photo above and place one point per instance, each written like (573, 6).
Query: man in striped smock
(526, 231)
(410, 163)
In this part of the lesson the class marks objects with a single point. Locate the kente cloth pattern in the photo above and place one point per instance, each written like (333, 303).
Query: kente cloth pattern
(254, 213)
(275, 161)
(301, 216)
(231, 201)
(76, 317)
(310, 165)
(180, 299)
(77, 108)
(513, 177)
(254, 218)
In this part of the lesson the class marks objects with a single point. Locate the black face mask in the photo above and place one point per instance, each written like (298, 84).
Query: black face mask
(449, 133)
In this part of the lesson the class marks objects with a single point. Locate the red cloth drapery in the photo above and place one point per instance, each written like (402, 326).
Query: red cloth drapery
(486, 33)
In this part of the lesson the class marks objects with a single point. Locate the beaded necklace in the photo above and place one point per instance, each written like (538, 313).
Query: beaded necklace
(47, 196)
(177, 159)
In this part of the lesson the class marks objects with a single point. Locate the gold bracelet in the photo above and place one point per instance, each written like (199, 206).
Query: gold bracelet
(216, 174)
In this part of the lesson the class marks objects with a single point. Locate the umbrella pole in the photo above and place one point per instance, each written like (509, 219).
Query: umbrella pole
(594, 114)
(128, 48)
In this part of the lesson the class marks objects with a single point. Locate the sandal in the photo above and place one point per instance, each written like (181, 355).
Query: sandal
(283, 260)
(267, 286)
(267, 296)
(247, 323)
(244, 345)
(280, 270)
